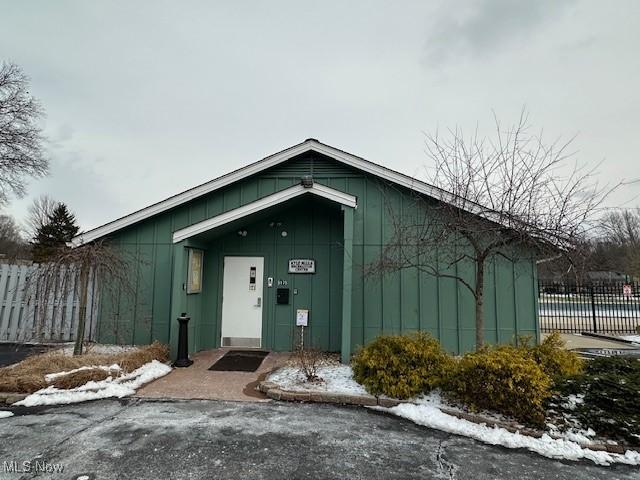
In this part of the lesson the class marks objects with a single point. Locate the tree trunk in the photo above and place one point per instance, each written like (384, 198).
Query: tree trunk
(82, 309)
(479, 304)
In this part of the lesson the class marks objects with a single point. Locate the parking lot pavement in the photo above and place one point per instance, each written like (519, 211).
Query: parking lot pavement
(142, 439)
(11, 353)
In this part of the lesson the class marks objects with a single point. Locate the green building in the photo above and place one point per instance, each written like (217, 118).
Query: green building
(286, 240)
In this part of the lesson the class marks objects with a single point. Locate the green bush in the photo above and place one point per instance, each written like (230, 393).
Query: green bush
(401, 366)
(610, 392)
(552, 356)
(515, 381)
(504, 379)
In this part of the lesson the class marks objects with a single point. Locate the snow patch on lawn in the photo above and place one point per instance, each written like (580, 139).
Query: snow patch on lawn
(430, 416)
(52, 376)
(572, 401)
(98, 349)
(583, 437)
(5, 414)
(120, 387)
(337, 379)
(631, 338)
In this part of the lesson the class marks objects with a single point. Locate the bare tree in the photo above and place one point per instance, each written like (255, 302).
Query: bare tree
(21, 139)
(39, 214)
(505, 196)
(572, 266)
(622, 227)
(71, 270)
(620, 240)
(12, 245)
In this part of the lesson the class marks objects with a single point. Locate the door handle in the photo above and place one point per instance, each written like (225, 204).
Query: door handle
(259, 302)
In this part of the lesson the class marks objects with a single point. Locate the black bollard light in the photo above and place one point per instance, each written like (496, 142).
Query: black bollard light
(183, 359)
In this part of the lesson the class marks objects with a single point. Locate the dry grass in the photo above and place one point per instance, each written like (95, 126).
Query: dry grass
(28, 375)
(80, 378)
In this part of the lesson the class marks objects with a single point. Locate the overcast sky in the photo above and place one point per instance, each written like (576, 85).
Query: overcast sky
(146, 99)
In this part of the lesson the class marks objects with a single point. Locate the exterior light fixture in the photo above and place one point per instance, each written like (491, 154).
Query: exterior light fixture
(242, 233)
(306, 181)
(284, 233)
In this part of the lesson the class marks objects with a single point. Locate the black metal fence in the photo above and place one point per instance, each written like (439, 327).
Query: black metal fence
(598, 308)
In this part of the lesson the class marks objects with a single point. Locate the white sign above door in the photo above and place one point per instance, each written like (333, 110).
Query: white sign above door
(302, 265)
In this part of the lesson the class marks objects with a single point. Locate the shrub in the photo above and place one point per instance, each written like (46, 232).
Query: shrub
(553, 358)
(401, 366)
(505, 379)
(308, 360)
(609, 389)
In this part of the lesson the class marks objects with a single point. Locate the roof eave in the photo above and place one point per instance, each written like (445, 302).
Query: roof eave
(257, 167)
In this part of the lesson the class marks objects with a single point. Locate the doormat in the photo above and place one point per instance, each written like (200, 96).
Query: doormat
(239, 361)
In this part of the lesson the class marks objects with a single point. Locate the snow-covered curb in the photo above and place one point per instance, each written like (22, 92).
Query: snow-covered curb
(431, 416)
(119, 387)
(5, 414)
(339, 386)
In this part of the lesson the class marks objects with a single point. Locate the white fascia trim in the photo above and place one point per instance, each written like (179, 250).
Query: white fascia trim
(191, 194)
(396, 177)
(256, 167)
(261, 204)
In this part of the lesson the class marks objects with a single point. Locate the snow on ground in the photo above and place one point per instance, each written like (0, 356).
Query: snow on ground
(52, 376)
(583, 437)
(98, 349)
(337, 379)
(631, 338)
(5, 414)
(572, 401)
(119, 387)
(426, 411)
(428, 415)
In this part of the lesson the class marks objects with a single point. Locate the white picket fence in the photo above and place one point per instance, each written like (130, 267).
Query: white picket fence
(21, 318)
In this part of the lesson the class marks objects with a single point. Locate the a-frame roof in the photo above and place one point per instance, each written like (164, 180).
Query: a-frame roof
(263, 203)
(309, 145)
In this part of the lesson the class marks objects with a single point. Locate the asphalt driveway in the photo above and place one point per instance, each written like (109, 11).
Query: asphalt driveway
(142, 439)
(11, 353)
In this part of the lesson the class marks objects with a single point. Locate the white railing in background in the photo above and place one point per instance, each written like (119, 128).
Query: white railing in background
(20, 318)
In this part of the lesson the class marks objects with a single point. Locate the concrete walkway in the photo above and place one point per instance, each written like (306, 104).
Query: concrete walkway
(198, 382)
(574, 341)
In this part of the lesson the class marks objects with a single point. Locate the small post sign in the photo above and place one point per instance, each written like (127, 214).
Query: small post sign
(302, 265)
(302, 318)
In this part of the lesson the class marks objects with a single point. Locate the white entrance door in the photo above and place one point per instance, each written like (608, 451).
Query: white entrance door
(242, 302)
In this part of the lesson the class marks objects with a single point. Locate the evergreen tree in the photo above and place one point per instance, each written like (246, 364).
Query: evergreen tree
(53, 236)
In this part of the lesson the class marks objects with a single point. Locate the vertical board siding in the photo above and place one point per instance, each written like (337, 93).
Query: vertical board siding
(21, 307)
(314, 231)
(400, 302)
